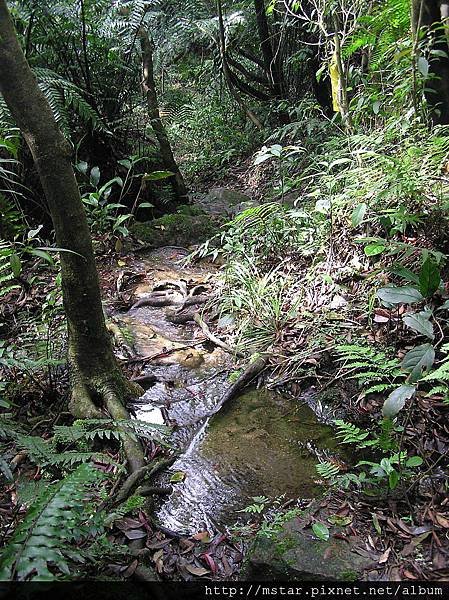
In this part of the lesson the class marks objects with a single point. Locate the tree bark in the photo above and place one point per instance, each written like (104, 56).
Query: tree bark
(229, 77)
(272, 66)
(96, 380)
(433, 17)
(149, 88)
(343, 91)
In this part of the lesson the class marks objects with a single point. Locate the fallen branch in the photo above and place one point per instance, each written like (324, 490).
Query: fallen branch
(213, 338)
(163, 354)
(252, 370)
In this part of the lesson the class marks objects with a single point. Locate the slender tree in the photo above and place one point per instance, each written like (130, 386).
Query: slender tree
(97, 384)
(149, 88)
(272, 63)
(431, 16)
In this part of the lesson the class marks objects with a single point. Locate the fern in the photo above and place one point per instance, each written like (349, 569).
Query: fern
(327, 470)
(90, 429)
(53, 520)
(369, 366)
(440, 374)
(6, 275)
(348, 433)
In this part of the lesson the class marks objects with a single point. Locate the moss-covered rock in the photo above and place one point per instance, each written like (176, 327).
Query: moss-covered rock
(189, 225)
(293, 554)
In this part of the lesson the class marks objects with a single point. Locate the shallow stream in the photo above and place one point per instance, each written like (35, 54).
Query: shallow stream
(259, 444)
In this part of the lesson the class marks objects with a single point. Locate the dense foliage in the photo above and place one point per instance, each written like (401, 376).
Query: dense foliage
(333, 119)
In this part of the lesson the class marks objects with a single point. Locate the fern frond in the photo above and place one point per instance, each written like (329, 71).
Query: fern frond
(327, 470)
(50, 523)
(348, 433)
(89, 429)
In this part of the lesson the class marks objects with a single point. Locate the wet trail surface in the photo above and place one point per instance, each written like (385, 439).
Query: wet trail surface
(259, 444)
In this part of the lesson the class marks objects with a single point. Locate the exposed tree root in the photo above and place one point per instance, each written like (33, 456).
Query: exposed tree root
(134, 479)
(108, 392)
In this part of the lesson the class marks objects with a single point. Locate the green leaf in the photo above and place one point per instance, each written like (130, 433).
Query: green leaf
(374, 249)
(95, 176)
(376, 523)
(358, 214)
(42, 254)
(399, 295)
(323, 205)
(16, 264)
(396, 400)
(125, 162)
(157, 175)
(82, 167)
(146, 205)
(177, 477)
(420, 323)
(321, 531)
(417, 359)
(405, 273)
(393, 479)
(429, 278)
(423, 66)
(414, 461)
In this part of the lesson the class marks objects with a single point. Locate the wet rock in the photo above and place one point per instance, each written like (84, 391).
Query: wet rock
(189, 225)
(293, 554)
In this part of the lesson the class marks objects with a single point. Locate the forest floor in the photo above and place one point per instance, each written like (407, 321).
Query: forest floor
(402, 534)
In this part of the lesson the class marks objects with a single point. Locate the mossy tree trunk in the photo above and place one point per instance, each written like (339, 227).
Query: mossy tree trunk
(149, 88)
(98, 385)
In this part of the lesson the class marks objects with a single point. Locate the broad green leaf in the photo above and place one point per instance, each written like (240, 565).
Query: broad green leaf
(260, 158)
(429, 278)
(397, 399)
(420, 323)
(42, 254)
(376, 107)
(146, 205)
(417, 359)
(374, 249)
(323, 205)
(414, 461)
(393, 479)
(95, 176)
(82, 167)
(108, 185)
(16, 264)
(405, 273)
(399, 295)
(321, 531)
(423, 66)
(125, 162)
(177, 477)
(358, 214)
(157, 175)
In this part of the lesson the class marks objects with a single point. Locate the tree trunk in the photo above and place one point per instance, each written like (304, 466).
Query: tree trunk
(343, 89)
(227, 72)
(272, 66)
(149, 88)
(433, 16)
(96, 380)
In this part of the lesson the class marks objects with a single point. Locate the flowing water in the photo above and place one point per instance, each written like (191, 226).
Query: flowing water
(259, 444)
